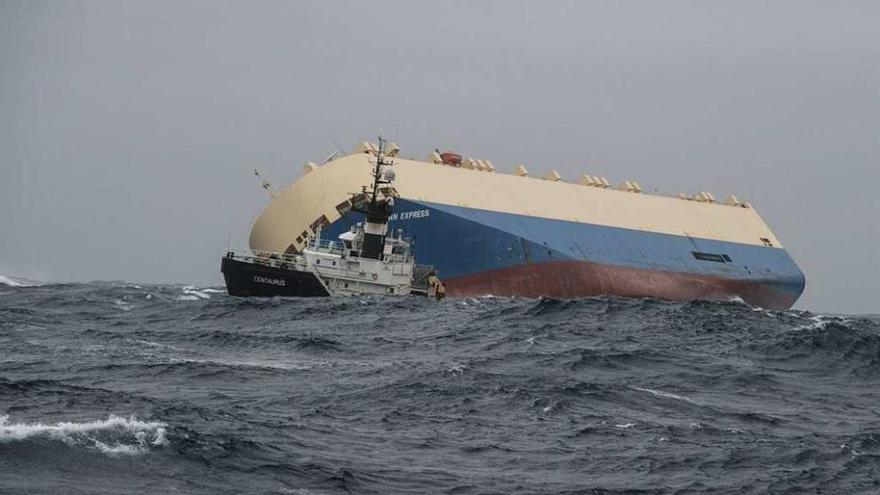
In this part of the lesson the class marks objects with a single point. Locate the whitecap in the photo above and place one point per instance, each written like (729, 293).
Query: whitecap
(123, 305)
(457, 369)
(667, 395)
(17, 282)
(819, 322)
(193, 293)
(625, 425)
(268, 365)
(113, 436)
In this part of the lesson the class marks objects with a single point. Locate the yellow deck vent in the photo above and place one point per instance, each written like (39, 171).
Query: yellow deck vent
(601, 182)
(586, 180)
(469, 163)
(392, 149)
(630, 186)
(489, 166)
(480, 165)
(685, 197)
(366, 147)
(553, 175)
(521, 171)
(309, 166)
(705, 197)
(732, 201)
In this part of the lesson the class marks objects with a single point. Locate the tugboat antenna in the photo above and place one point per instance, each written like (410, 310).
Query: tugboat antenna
(376, 224)
(377, 171)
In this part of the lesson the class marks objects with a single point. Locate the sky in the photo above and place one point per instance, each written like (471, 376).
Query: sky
(129, 129)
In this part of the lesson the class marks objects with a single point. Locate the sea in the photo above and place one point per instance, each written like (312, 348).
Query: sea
(114, 387)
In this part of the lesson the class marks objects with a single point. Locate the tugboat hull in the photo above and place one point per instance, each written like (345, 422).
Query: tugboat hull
(246, 279)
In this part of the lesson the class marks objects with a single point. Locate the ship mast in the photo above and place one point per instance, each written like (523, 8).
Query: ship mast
(376, 226)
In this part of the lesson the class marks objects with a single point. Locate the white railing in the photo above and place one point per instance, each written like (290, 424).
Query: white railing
(268, 258)
(333, 247)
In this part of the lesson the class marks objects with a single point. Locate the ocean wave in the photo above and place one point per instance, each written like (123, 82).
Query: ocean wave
(381, 394)
(194, 293)
(831, 343)
(233, 365)
(113, 436)
(820, 322)
(665, 395)
(17, 282)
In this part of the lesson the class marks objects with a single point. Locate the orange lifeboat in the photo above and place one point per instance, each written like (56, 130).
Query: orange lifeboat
(450, 158)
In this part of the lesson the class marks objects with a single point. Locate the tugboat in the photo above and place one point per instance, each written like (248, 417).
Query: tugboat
(363, 260)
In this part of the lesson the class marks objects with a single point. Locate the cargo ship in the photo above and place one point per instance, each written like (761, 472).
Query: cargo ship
(515, 234)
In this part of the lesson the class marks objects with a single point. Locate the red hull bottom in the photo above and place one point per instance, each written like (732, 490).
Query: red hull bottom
(569, 279)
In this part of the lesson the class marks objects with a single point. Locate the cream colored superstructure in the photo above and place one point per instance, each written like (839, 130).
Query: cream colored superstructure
(285, 224)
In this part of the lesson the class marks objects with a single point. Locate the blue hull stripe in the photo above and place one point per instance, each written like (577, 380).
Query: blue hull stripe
(463, 241)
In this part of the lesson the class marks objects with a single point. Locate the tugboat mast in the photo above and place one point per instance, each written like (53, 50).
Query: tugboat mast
(376, 226)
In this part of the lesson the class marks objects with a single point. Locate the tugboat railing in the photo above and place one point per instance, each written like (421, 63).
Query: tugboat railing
(334, 247)
(268, 258)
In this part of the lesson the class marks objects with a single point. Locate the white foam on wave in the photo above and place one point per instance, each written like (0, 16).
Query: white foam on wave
(458, 368)
(123, 305)
(193, 293)
(819, 322)
(113, 436)
(268, 365)
(666, 395)
(17, 282)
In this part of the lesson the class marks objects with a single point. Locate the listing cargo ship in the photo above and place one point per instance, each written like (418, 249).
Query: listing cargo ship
(514, 234)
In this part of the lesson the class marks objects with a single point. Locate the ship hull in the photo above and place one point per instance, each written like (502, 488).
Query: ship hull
(247, 279)
(570, 279)
(479, 252)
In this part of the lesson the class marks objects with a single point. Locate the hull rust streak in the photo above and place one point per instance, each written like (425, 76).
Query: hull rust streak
(568, 279)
